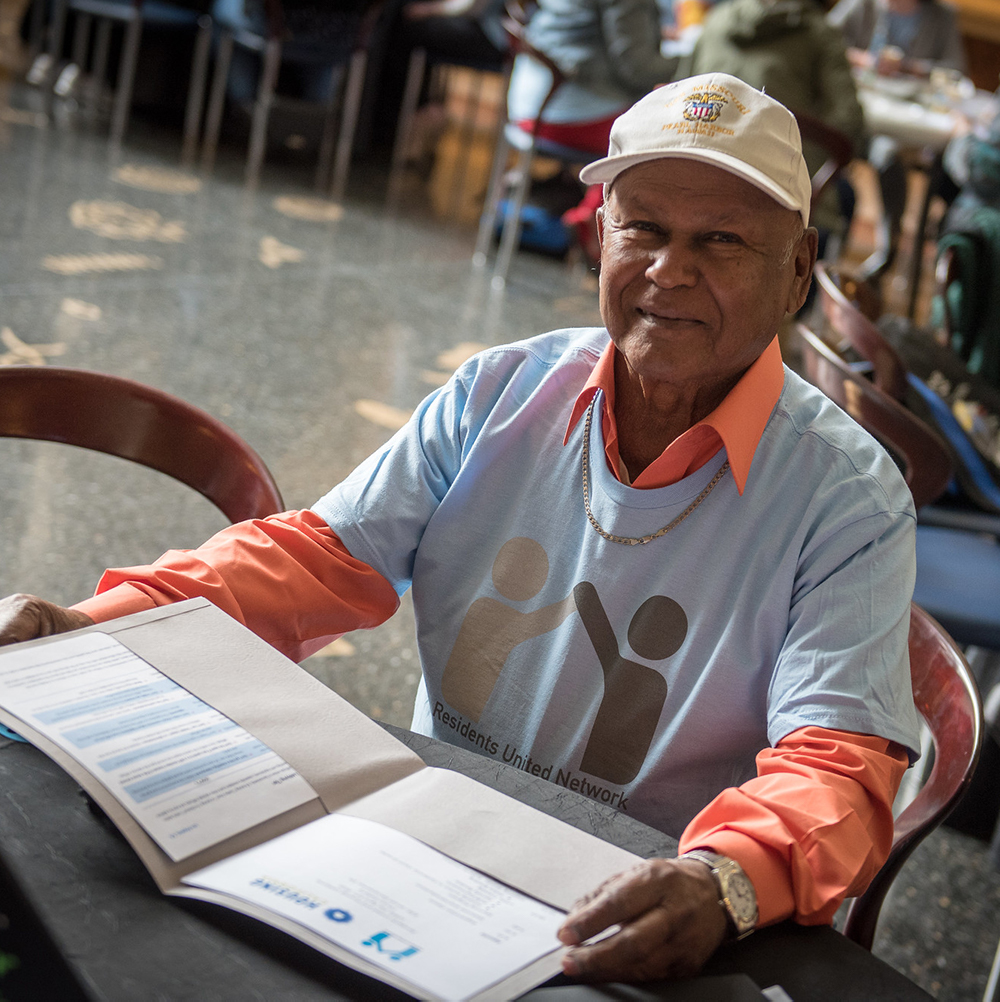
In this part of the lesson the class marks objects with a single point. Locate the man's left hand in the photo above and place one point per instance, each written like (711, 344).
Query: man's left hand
(669, 917)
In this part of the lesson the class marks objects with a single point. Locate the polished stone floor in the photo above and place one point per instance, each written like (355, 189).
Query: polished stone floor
(312, 329)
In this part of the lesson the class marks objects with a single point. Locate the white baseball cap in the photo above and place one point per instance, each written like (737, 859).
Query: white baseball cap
(718, 119)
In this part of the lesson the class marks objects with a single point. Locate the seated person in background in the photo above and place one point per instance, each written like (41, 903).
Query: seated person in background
(646, 554)
(610, 52)
(678, 16)
(786, 49)
(893, 36)
(972, 160)
(971, 232)
(330, 26)
(925, 33)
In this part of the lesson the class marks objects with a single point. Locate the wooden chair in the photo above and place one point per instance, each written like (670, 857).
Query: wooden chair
(958, 561)
(923, 456)
(946, 697)
(526, 143)
(848, 327)
(859, 292)
(349, 57)
(947, 271)
(851, 327)
(145, 425)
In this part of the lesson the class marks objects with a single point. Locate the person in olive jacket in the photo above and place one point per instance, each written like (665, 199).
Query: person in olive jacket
(787, 49)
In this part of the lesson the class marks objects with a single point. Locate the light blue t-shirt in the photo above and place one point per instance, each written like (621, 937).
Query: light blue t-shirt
(646, 676)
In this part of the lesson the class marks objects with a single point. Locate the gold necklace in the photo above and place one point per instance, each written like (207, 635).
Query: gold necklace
(633, 540)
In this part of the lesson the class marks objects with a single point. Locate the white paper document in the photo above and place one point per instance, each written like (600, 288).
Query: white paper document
(188, 774)
(448, 929)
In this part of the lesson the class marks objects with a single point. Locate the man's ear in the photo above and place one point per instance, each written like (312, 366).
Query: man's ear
(804, 258)
(600, 226)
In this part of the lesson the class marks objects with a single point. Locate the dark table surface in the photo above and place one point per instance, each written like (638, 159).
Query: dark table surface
(78, 888)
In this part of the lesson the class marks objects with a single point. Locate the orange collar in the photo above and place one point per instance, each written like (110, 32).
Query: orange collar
(737, 423)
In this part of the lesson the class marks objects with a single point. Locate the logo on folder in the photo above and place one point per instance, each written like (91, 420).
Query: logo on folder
(391, 945)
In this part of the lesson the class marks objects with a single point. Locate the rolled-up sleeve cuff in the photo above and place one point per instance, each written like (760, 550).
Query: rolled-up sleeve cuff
(121, 600)
(767, 871)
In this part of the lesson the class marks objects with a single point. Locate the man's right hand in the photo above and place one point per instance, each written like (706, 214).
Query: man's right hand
(24, 617)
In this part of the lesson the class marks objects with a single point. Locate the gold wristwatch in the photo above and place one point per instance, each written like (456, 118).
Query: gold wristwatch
(736, 893)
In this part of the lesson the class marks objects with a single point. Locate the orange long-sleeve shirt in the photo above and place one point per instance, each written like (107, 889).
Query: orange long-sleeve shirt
(814, 825)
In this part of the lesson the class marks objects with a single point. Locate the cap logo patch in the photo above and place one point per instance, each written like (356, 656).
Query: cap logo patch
(704, 106)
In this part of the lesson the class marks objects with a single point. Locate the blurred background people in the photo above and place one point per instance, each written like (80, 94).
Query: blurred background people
(787, 49)
(889, 37)
(328, 27)
(920, 34)
(609, 51)
(971, 233)
(681, 20)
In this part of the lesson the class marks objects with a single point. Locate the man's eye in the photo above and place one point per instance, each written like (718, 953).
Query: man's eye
(643, 226)
(723, 237)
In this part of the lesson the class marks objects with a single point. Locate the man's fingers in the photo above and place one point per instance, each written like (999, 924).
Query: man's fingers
(664, 942)
(643, 948)
(669, 917)
(25, 617)
(616, 901)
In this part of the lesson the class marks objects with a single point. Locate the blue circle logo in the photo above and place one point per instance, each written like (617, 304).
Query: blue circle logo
(338, 915)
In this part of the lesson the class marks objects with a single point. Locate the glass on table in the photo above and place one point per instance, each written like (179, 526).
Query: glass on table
(949, 88)
(889, 61)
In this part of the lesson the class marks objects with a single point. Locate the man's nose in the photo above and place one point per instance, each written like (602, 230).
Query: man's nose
(673, 265)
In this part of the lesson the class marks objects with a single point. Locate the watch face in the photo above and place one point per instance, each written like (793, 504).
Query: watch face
(742, 899)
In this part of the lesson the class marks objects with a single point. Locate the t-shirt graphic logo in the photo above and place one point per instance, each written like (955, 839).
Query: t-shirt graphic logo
(634, 694)
(491, 629)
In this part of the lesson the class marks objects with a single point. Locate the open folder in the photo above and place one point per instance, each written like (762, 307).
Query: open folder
(240, 779)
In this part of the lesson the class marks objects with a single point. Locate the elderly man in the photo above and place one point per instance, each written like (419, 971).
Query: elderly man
(648, 562)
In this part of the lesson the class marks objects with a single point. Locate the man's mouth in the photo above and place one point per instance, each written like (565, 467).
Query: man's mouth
(666, 317)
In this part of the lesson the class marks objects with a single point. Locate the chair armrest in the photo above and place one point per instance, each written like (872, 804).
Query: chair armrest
(960, 518)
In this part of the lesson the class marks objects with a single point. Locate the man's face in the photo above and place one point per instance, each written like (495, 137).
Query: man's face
(698, 268)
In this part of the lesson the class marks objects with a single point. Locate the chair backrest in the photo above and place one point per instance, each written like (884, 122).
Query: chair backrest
(851, 326)
(835, 144)
(946, 697)
(299, 17)
(515, 23)
(925, 460)
(148, 426)
(947, 271)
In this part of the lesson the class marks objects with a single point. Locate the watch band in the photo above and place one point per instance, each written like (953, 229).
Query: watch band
(736, 892)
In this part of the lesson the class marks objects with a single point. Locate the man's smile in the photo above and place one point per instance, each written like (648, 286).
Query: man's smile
(667, 317)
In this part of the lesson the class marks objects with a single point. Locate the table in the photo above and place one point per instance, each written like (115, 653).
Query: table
(891, 109)
(123, 941)
(922, 123)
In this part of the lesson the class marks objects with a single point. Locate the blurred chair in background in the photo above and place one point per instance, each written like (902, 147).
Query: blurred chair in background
(526, 143)
(92, 66)
(325, 45)
(577, 66)
(973, 500)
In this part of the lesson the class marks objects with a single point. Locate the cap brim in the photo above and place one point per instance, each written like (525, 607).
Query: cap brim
(606, 170)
